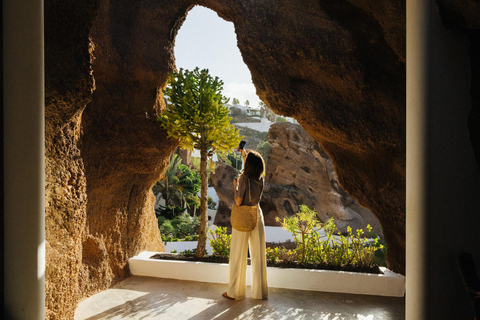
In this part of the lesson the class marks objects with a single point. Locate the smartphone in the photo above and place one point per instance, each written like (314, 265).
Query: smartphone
(241, 145)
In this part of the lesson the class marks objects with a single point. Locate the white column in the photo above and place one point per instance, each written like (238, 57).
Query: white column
(23, 123)
(417, 102)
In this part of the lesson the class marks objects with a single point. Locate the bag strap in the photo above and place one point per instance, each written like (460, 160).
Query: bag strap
(249, 195)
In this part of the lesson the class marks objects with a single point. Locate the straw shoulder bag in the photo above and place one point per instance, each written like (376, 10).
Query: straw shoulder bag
(244, 218)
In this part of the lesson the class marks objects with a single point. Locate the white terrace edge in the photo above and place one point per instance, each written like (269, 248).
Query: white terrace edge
(389, 284)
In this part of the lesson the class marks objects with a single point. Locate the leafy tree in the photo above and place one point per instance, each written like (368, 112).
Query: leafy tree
(247, 103)
(169, 186)
(236, 102)
(198, 117)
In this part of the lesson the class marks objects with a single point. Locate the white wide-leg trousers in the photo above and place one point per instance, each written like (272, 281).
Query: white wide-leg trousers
(237, 268)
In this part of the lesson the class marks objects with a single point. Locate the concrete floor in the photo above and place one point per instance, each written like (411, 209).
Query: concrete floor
(154, 298)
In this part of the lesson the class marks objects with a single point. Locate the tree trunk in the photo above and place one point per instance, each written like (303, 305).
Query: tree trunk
(202, 233)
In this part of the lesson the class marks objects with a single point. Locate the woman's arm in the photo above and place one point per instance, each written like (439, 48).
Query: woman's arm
(238, 201)
(244, 155)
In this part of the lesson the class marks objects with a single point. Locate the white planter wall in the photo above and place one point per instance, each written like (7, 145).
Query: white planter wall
(387, 284)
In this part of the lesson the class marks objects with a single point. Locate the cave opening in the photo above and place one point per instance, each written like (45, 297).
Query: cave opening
(205, 40)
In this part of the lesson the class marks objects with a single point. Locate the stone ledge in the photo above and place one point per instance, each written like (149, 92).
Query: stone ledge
(388, 284)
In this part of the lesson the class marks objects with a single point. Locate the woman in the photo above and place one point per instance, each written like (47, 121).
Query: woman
(252, 177)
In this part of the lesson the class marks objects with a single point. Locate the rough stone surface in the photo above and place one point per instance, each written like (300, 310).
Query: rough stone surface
(338, 67)
(222, 181)
(298, 172)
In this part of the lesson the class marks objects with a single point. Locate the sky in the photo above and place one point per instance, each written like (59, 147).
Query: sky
(207, 41)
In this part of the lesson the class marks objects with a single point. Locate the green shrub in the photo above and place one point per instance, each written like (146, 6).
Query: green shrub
(281, 119)
(183, 229)
(167, 230)
(195, 223)
(188, 238)
(220, 242)
(175, 222)
(180, 227)
(169, 212)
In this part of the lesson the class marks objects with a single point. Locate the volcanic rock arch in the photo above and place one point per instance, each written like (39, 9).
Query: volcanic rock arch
(338, 67)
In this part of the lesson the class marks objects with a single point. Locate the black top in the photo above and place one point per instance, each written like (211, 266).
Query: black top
(256, 190)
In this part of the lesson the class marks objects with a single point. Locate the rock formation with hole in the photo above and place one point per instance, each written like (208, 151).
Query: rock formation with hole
(338, 67)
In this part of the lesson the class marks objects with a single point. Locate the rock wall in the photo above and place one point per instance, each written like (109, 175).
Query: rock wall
(103, 152)
(338, 67)
(222, 182)
(300, 172)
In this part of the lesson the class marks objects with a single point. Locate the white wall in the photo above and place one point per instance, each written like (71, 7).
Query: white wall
(23, 124)
(443, 177)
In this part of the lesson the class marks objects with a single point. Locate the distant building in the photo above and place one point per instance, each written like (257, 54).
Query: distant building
(247, 110)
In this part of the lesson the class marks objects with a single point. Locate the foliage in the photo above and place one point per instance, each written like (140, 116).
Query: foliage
(281, 119)
(250, 133)
(264, 147)
(169, 212)
(304, 226)
(380, 257)
(220, 242)
(196, 165)
(198, 117)
(179, 186)
(312, 248)
(273, 254)
(236, 102)
(166, 229)
(197, 114)
(231, 158)
(212, 205)
(182, 226)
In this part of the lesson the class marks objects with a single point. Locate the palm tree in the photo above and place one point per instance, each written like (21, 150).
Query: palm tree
(179, 186)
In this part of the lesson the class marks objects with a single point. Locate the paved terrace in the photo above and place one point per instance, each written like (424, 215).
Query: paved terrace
(155, 298)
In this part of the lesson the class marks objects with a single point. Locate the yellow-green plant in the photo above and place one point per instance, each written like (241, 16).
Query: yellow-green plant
(220, 242)
(304, 226)
(331, 249)
(273, 254)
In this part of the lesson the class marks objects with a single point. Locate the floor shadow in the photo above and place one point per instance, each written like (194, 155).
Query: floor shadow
(154, 298)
